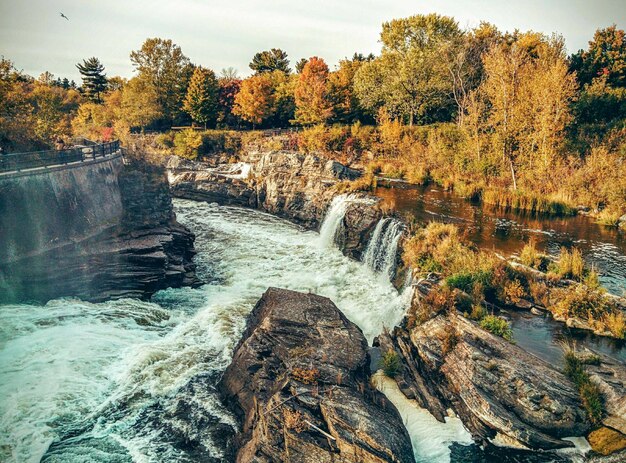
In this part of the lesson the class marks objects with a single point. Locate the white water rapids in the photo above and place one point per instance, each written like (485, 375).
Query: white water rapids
(107, 382)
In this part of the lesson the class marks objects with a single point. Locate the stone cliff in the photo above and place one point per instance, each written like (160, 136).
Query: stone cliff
(94, 232)
(290, 185)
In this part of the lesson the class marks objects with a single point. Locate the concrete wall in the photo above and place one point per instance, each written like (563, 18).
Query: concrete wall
(46, 209)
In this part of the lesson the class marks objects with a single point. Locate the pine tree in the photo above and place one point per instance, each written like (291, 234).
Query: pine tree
(94, 79)
(201, 99)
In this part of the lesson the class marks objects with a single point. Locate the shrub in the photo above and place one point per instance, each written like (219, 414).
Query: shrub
(615, 322)
(438, 300)
(449, 341)
(539, 292)
(514, 291)
(478, 312)
(164, 140)
(590, 305)
(498, 326)
(468, 281)
(390, 363)
(293, 420)
(530, 257)
(186, 143)
(606, 441)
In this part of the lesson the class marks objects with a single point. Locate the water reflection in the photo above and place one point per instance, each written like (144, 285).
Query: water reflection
(507, 232)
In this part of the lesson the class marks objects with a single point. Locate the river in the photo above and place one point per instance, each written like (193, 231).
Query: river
(506, 232)
(104, 382)
(131, 381)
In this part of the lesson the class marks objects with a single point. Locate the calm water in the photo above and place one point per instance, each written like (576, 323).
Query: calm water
(507, 232)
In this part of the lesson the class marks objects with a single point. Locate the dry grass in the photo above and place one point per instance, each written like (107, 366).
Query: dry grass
(606, 441)
(571, 264)
(305, 376)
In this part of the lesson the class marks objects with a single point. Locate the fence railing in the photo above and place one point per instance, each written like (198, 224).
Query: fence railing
(21, 161)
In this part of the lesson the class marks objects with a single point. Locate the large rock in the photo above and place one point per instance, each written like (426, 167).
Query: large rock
(358, 223)
(299, 382)
(495, 387)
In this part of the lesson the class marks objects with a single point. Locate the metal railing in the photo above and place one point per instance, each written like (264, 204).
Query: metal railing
(21, 161)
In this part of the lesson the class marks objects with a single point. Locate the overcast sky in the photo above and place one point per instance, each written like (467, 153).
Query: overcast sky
(219, 34)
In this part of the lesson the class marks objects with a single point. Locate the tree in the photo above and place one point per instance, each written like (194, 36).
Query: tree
(165, 71)
(284, 106)
(229, 73)
(254, 101)
(140, 103)
(270, 60)
(411, 79)
(228, 89)
(606, 56)
(300, 64)
(94, 78)
(524, 102)
(311, 93)
(465, 63)
(344, 101)
(201, 99)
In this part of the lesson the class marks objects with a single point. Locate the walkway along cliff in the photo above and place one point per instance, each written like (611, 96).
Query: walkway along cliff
(95, 226)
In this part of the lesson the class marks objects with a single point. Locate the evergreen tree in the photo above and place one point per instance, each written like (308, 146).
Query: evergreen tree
(94, 78)
(201, 100)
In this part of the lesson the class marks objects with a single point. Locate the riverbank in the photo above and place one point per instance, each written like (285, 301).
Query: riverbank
(374, 232)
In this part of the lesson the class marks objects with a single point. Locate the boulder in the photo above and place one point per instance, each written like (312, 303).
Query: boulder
(495, 387)
(299, 381)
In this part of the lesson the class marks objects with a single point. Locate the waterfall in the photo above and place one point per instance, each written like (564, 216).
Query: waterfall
(382, 248)
(333, 218)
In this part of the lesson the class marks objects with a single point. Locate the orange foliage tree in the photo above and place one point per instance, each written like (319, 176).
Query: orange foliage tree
(312, 103)
(254, 102)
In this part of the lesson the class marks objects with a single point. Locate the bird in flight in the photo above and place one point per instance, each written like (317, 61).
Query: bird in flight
(63, 16)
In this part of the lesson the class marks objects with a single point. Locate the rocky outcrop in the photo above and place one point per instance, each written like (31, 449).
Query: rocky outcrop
(358, 223)
(610, 376)
(142, 249)
(299, 381)
(296, 186)
(288, 184)
(499, 391)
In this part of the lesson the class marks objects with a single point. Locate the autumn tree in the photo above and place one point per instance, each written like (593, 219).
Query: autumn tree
(606, 56)
(165, 72)
(270, 60)
(311, 93)
(523, 105)
(94, 79)
(254, 101)
(140, 105)
(464, 58)
(284, 106)
(201, 100)
(227, 91)
(411, 79)
(345, 103)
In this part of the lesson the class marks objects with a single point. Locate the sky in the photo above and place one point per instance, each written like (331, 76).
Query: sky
(219, 34)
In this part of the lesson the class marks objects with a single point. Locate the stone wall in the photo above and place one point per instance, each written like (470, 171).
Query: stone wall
(98, 231)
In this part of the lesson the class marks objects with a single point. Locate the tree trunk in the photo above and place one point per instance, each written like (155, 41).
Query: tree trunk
(513, 175)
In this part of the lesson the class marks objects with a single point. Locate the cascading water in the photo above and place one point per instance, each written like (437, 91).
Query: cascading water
(135, 381)
(332, 220)
(382, 249)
